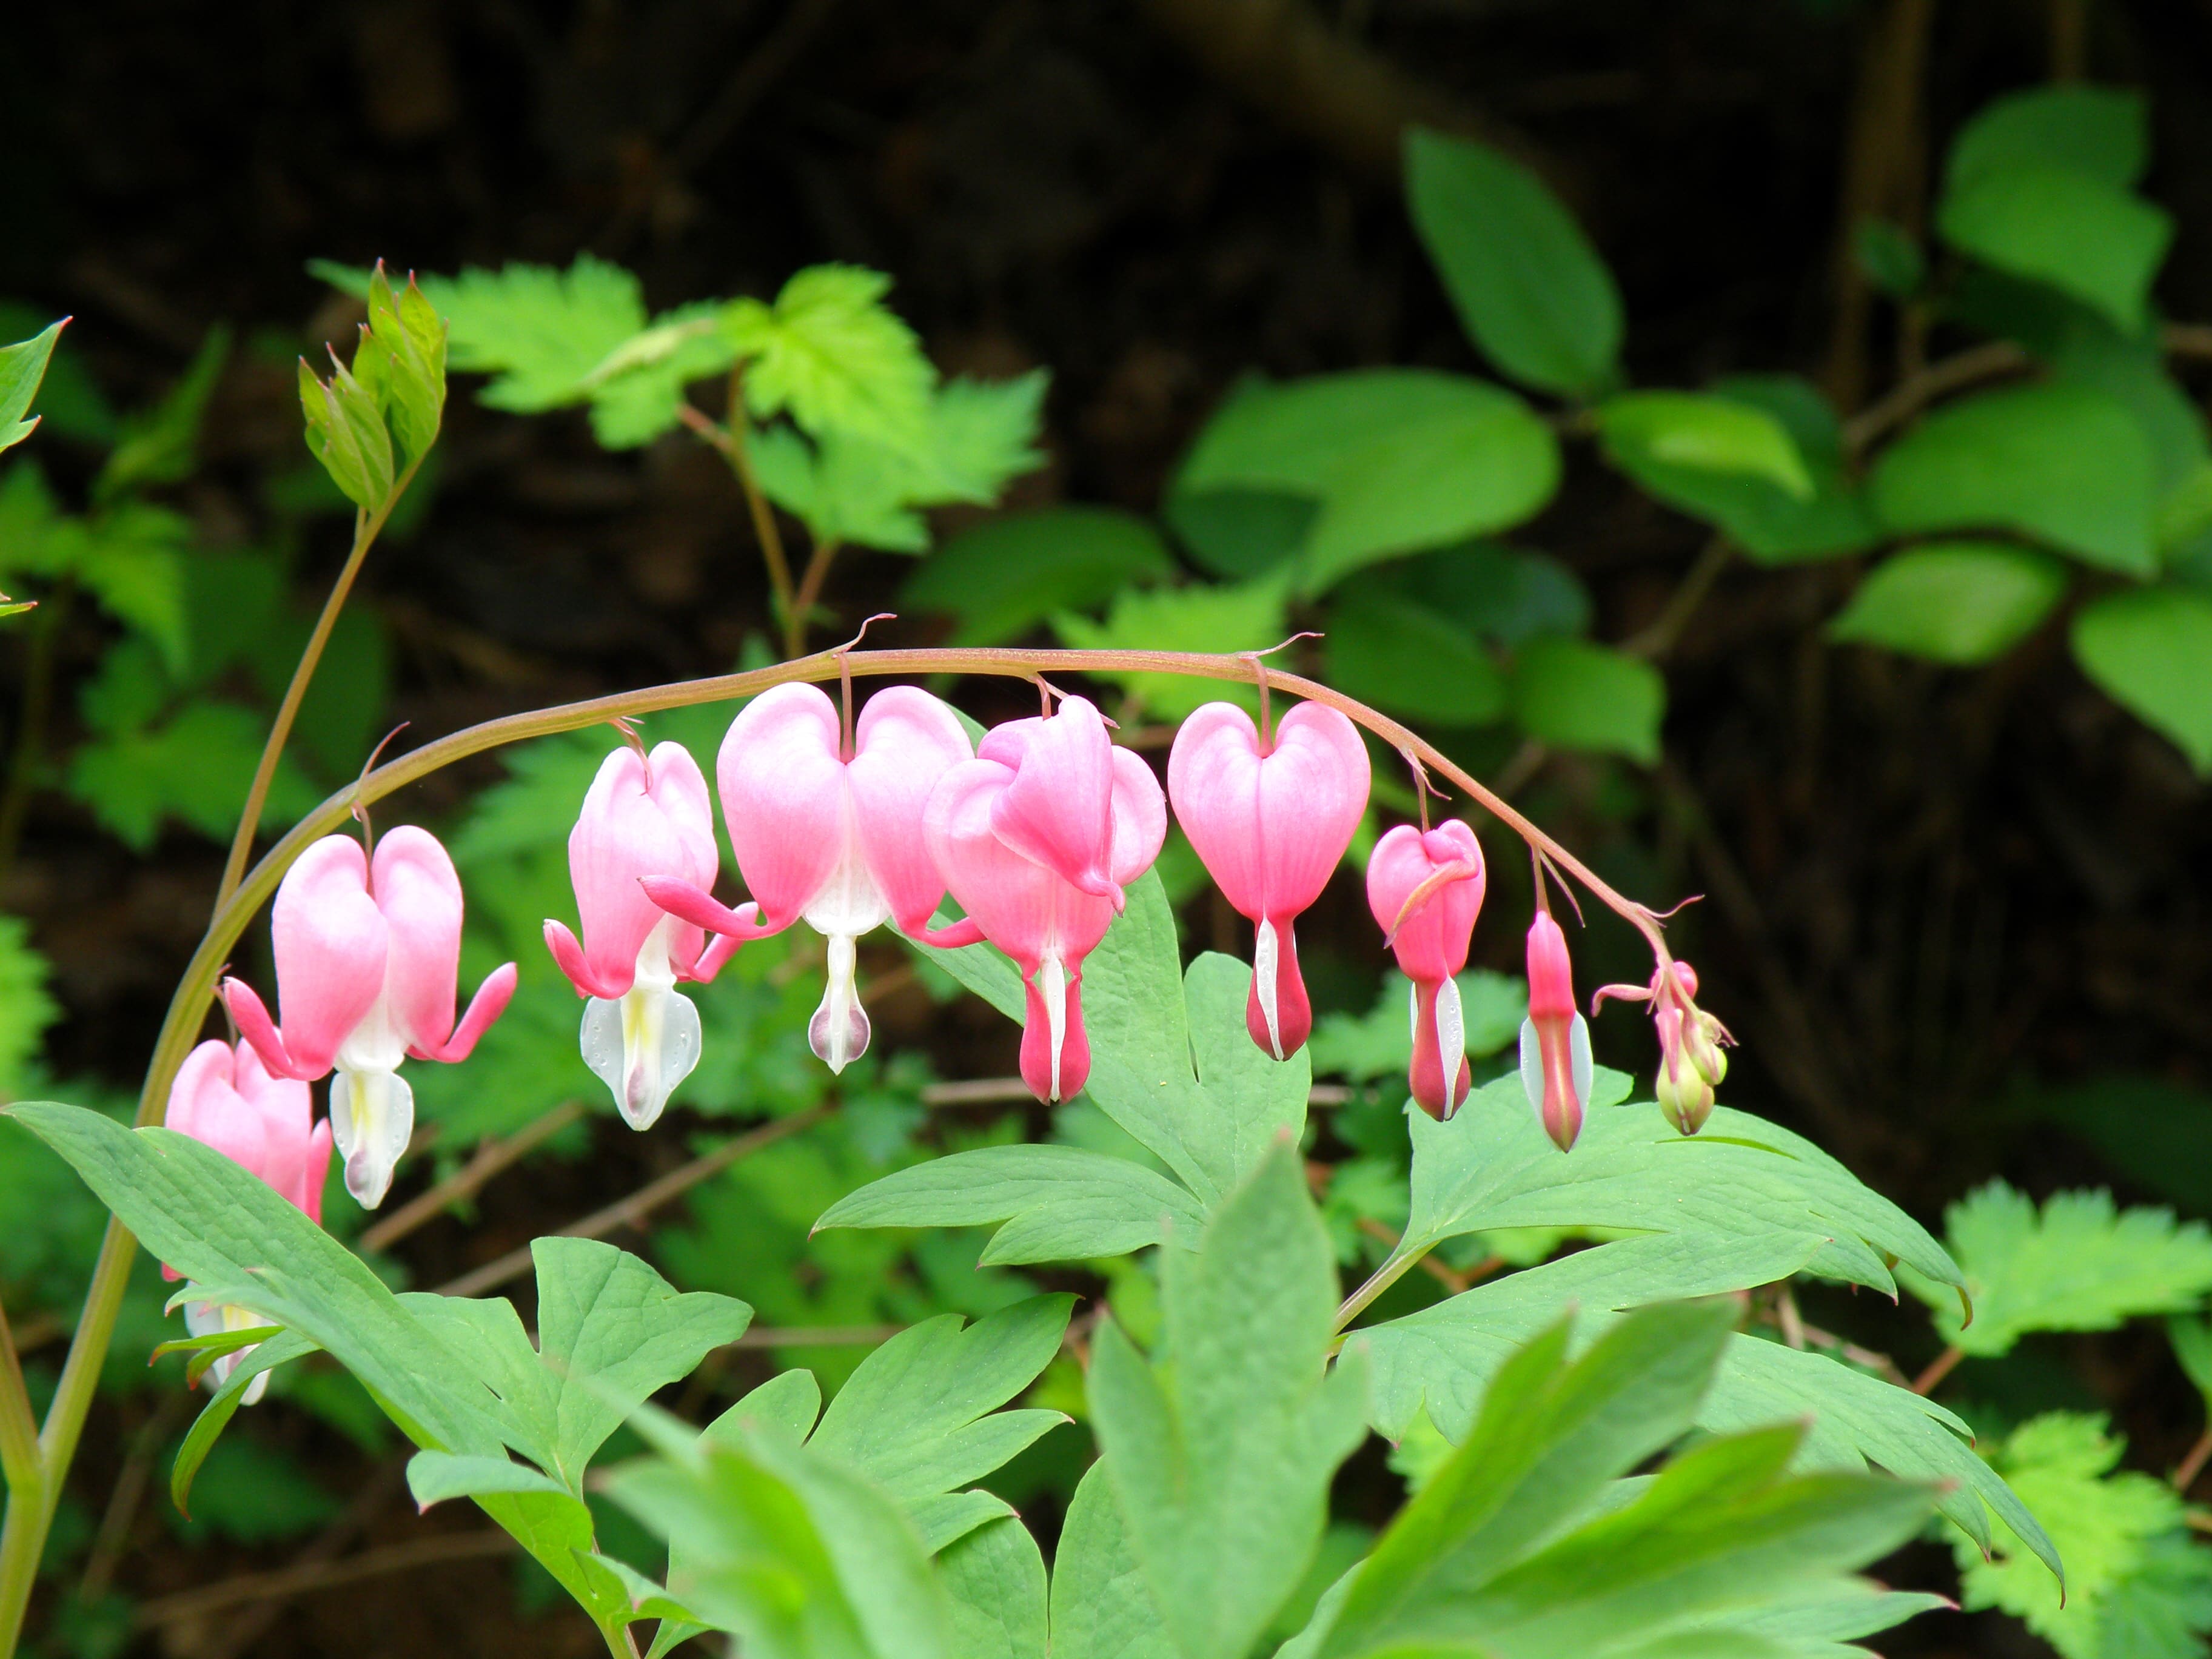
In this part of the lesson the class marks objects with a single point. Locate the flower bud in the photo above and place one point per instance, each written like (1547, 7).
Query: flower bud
(1555, 1048)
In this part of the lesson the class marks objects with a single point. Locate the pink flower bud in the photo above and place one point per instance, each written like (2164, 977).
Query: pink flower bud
(1270, 829)
(1555, 1047)
(224, 1098)
(1037, 837)
(1425, 890)
(644, 816)
(829, 839)
(1692, 1060)
(367, 955)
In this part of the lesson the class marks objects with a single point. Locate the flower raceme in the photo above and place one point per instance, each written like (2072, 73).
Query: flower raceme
(1556, 1069)
(646, 817)
(1425, 889)
(825, 832)
(366, 954)
(1691, 1061)
(1270, 820)
(1037, 837)
(224, 1098)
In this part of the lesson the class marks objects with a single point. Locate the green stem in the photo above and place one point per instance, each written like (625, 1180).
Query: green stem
(31, 734)
(366, 526)
(27, 1524)
(810, 592)
(19, 1430)
(1401, 1263)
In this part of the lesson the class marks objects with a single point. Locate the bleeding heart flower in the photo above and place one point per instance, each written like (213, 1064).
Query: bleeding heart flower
(367, 953)
(1270, 823)
(1555, 1045)
(1691, 1061)
(1037, 837)
(828, 835)
(1425, 890)
(224, 1098)
(645, 816)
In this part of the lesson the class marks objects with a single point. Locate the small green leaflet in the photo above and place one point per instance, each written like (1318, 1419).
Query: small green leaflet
(2150, 650)
(1575, 694)
(2080, 1265)
(22, 366)
(1959, 602)
(1702, 434)
(1005, 575)
(2138, 1586)
(25, 1008)
(834, 357)
(2101, 131)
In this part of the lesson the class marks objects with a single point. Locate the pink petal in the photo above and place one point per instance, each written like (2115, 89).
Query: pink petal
(251, 1017)
(1425, 1076)
(1550, 973)
(783, 796)
(315, 1172)
(488, 1004)
(420, 894)
(1432, 939)
(712, 960)
(1270, 831)
(623, 833)
(570, 957)
(1058, 810)
(287, 1113)
(702, 910)
(1046, 1084)
(331, 954)
(204, 1104)
(1024, 907)
(906, 740)
(1140, 820)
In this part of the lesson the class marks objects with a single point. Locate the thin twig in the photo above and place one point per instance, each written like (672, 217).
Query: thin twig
(114, 1534)
(810, 592)
(1938, 1368)
(2192, 1464)
(1939, 380)
(629, 1211)
(379, 1563)
(1657, 642)
(494, 1156)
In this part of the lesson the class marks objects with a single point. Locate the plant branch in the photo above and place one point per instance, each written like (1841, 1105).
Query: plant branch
(494, 1156)
(1658, 640)
(19, 1429)
(1908, 397)
(366, 528)
(629, 1211)
(2192, 1465)
(30, 730)
(730, 439)
(1938, 1368)
(810, 592)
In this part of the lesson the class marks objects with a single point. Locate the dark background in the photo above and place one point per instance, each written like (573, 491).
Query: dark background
(1944, 909)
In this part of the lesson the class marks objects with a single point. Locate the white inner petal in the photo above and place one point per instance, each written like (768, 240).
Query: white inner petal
(647, 1041)
(838, 1033)
(1451, 1034)
(1532, 1066)
(1580, 1063)
(376, 1044)
(1052, 986)
(847, 901)
(1263, 979)
(372, 1119)
(207, 1319)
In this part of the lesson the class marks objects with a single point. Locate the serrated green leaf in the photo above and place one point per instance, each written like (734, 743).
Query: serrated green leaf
(1219, 1453)
(2062, 463)
(2056, 224)
(637, 393)
(1194, 617)
(2103, 132)
(920, 1416)
(195, 769)
(437, 1477)
(1953, 602)
(1398, 460)
(834, 356)
(1702, 434)
(2150, 650)
(207, 1428)
(1002, 577)
(1056, 1203)
(1405, 657)
(1529, 288)
(2080, 1265)
(539, 331)
(159, 445)
(25, 1007)
(1101, 1608)
(405, 341)
(22, 366)
(1578, 695)
(2137, 1588)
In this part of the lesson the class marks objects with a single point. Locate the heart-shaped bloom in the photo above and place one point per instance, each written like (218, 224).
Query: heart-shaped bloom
(1270, 823)
(1037, 837)
(222, 1097)
(366, 954)
(645, 816)
(1425, 889)
(829, 838)
(1555, 1045)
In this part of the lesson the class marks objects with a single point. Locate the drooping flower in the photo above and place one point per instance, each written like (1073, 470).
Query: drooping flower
(1692, 1060)
(1555, 1045)
(366, 954)
(223, 1097)
(1037, 837)
(645, 816)
(1425, 890)
(828, 835)
(1270, 822)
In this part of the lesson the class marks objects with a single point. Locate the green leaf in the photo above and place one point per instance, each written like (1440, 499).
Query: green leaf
(920, 1416)
(405, 343)
(223, 1405)
(1955, 602)
(1057, 1203)
(1502, 593)
(1403, 656)
(996, 1577)
(2055, 224)
(346, 433)
(22, 366)
(1220, 1453)
(159, 445)
(636, 392)
(1399, 460)
(1240, 533)
(1005, 575)
(25, 1007)
(2150, 651)
(1195, 617)
(436, 1477)
(2102, 132)
(539, 331)
(2137, 1588)
(2082, 1264)
(1530, 290)
(1579, 696)
(2192, 1352)
(1702, 434)
(196, 769)
(835, 357)
(2062, 463)
(1890, 257)
(1101, 1608)
(613, 1332)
